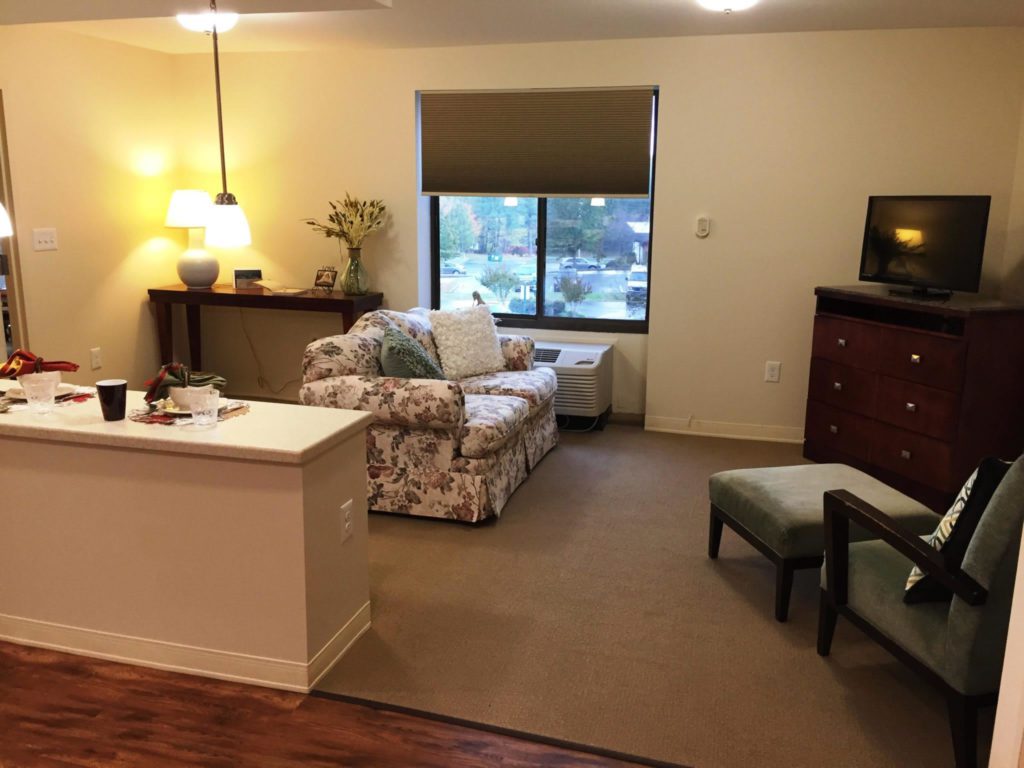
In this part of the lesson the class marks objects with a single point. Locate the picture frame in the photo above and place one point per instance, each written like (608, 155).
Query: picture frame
(246, 277)
(325, 279)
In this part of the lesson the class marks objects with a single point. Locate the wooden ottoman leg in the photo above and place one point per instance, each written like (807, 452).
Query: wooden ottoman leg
(714, 534)
(783, 588)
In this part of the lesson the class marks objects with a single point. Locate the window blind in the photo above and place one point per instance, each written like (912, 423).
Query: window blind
(540, 143)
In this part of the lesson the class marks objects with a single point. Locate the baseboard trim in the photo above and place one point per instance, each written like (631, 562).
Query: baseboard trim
(338, 646)
(769, 433)
(187, 659)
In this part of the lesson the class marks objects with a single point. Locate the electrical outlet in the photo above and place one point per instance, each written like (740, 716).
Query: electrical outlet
(772, 371)
(44, 239)
(95, 358)
(346, 520)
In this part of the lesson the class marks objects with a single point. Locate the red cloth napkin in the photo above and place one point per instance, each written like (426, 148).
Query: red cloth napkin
(23, 361)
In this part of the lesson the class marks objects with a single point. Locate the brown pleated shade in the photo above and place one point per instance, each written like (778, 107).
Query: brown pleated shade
(566, 143)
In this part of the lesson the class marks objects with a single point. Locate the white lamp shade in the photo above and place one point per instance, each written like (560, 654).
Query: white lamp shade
(189, 208)
(6, 230)
(227, 227)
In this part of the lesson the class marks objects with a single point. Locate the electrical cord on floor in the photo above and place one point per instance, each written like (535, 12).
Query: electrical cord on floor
(261, 380)
(561, 421)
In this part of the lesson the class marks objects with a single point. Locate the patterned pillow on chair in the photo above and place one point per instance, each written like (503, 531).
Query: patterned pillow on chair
(956, 529)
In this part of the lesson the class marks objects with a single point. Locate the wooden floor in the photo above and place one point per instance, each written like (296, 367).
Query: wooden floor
(62, 710)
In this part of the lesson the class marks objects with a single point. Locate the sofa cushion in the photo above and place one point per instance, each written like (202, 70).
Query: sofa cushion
(491, 421)
(536, 386)
(404, 357)
(467, 342)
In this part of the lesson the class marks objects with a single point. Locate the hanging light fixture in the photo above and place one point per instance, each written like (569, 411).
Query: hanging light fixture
(227, 226)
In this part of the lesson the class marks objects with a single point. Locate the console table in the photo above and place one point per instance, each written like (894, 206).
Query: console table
(349, 307)
(915, 392)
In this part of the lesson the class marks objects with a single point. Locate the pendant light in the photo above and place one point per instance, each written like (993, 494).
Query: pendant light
(227, 226)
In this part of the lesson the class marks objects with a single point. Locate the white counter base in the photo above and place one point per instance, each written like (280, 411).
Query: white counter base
(222, 558)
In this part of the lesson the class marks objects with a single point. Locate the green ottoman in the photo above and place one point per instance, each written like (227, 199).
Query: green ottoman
(780, 511)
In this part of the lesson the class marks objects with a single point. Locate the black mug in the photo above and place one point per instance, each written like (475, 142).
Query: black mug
(112, 394)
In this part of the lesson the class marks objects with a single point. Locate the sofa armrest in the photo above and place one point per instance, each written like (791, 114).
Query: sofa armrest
(422, 403)
(351, 354)
(842, 508)
(517, 351)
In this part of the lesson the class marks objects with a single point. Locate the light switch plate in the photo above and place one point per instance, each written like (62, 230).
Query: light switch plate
(44, 239)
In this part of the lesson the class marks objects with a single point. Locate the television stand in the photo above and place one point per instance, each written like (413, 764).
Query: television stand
(914, 392)
(924, 294)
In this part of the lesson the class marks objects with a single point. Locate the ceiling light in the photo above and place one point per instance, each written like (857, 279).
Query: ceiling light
(726, 6)
(208, 21)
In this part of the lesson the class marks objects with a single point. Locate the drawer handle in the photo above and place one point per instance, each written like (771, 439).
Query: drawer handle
(905, 454)
(833, 429)
(841, 342)
(837, 386)
(915, 359)
(912, 407)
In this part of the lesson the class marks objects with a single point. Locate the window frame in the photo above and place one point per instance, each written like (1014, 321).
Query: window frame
(539, 320)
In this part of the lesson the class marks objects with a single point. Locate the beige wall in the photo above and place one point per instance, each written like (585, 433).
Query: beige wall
(91, 139)
(778, 138)
(1013, 267)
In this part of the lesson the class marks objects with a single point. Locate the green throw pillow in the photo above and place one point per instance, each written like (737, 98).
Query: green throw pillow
(404, 357)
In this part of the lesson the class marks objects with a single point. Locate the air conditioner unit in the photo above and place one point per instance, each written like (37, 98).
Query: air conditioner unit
(584, 376)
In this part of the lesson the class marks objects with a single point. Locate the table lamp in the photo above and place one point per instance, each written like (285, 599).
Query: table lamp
(190, 209)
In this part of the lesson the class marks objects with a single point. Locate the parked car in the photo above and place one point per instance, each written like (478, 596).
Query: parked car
(636, 284)
(452, 270)
(580, 262)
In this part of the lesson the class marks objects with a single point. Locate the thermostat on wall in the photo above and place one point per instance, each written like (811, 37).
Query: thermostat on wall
(244, 278)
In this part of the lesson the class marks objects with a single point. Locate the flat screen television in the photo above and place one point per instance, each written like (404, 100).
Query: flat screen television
(933, 245)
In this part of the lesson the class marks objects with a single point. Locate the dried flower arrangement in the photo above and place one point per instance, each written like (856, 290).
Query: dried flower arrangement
(352, 219)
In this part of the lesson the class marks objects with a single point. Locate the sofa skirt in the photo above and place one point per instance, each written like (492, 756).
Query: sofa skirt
(471, 490)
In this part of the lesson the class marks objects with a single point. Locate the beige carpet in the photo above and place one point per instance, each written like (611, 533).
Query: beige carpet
(590, 612)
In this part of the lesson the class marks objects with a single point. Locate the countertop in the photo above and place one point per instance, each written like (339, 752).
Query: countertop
(277, 433)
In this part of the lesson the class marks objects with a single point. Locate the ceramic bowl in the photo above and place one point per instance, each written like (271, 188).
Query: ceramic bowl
(182, 396)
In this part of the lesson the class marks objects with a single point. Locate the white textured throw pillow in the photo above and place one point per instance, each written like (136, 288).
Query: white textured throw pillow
(467, 342)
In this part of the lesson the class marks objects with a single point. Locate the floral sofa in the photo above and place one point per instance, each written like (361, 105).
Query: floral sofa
(438, 448)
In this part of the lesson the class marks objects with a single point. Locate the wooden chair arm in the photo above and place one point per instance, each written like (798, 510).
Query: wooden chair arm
(842, 507)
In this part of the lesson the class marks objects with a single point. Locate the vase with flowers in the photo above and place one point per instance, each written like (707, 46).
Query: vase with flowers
(350, 221)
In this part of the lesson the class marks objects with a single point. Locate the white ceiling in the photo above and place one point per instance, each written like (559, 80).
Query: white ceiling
(426, 23)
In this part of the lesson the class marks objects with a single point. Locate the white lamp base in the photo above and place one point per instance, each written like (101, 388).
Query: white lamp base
(197, 268)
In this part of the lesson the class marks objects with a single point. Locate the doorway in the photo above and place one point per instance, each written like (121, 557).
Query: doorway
(11, 309)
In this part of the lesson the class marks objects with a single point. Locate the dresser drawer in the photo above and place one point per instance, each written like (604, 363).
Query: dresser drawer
(840, 385)
(839, 430)
(915, 407)
(922, 357)
(845, 341)
(923, 459)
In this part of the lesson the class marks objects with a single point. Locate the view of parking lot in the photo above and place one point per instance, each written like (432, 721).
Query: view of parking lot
(595, 260)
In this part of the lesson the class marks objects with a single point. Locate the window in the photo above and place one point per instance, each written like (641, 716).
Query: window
(589, 270)
(541, 203)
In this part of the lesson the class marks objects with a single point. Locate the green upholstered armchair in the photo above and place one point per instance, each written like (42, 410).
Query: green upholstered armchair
(957, 645)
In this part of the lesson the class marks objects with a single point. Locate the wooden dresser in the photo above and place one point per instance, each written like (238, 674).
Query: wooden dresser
(915, 392)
